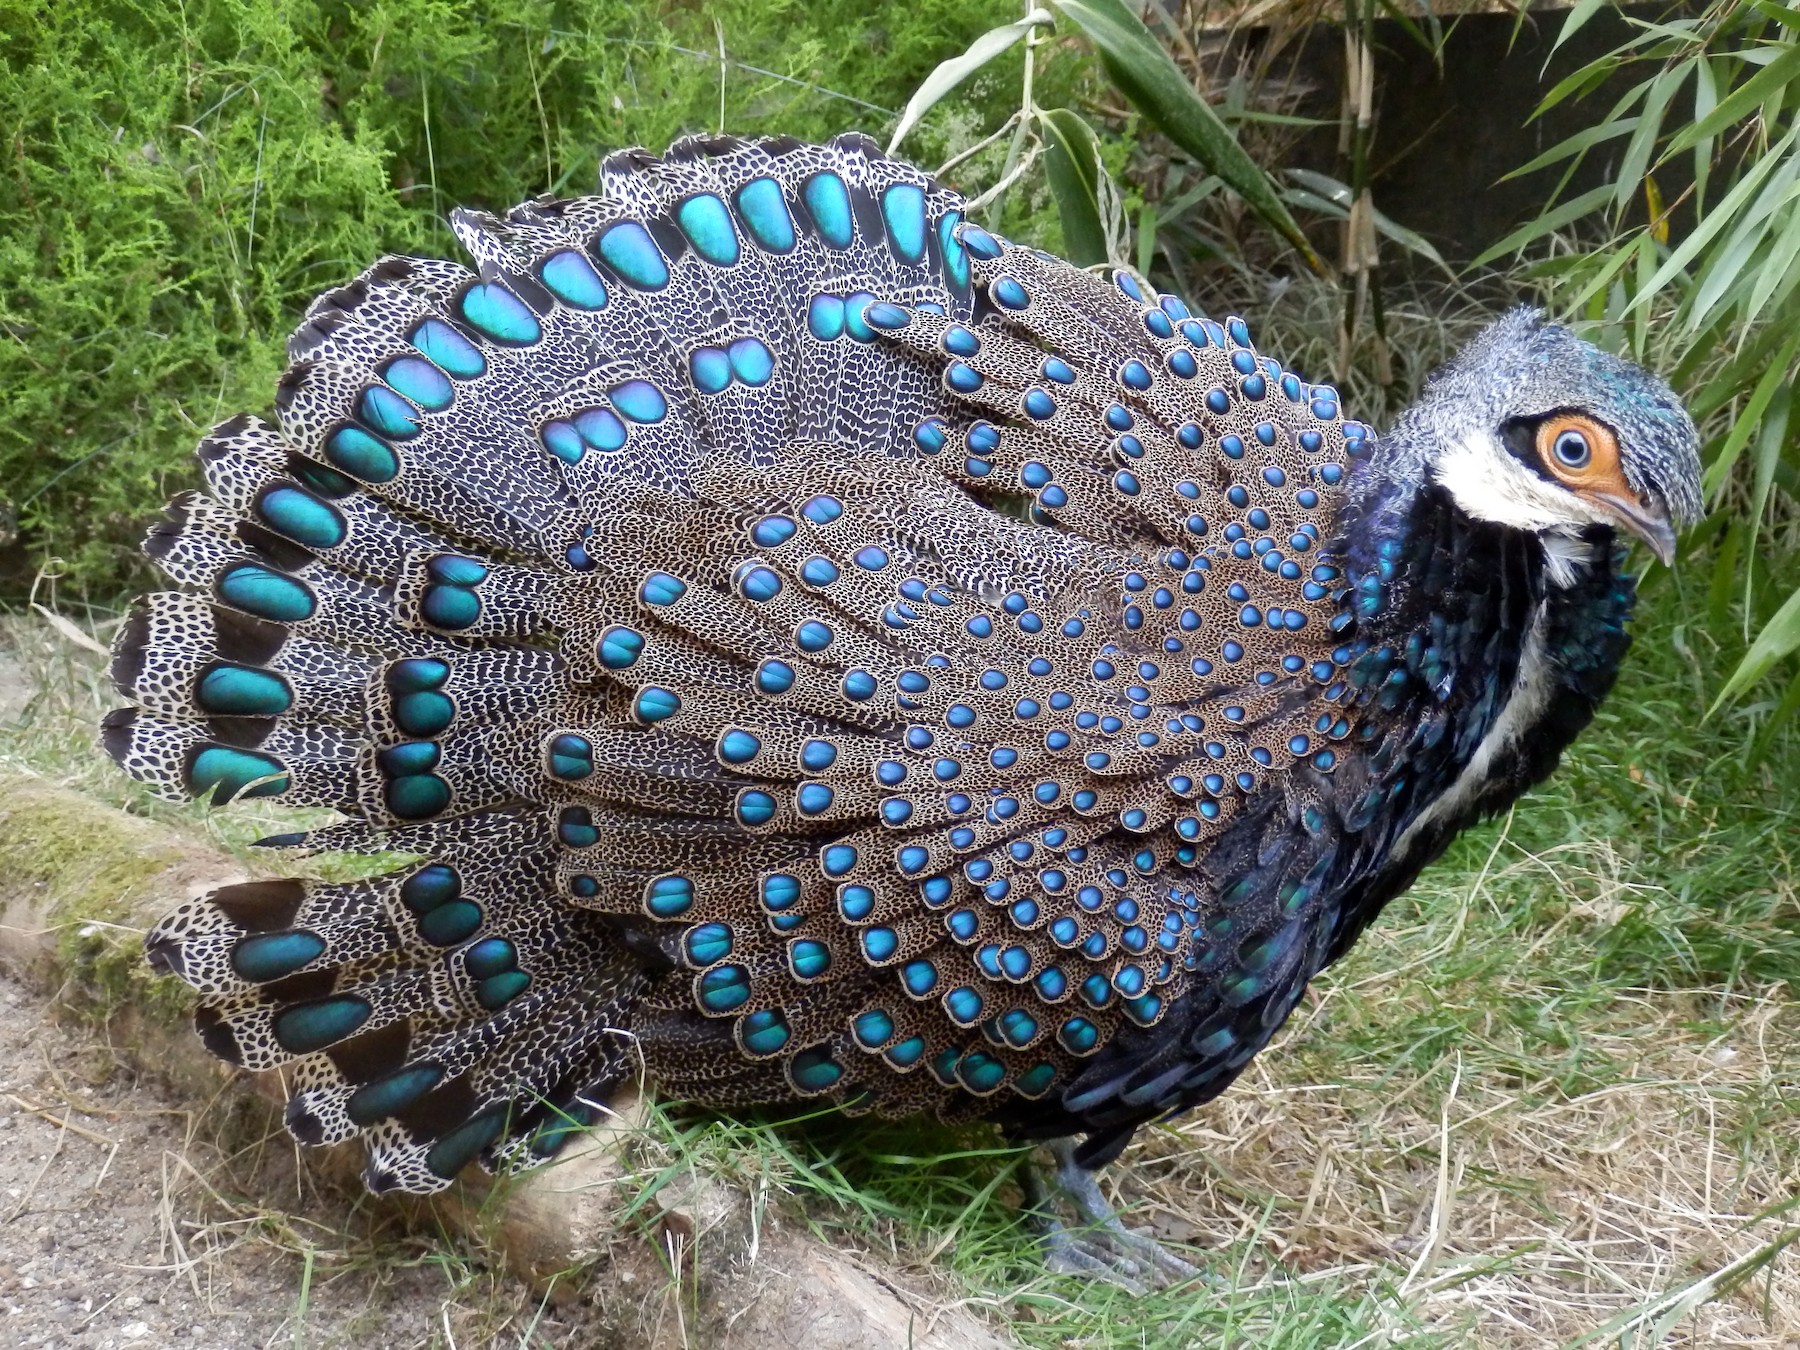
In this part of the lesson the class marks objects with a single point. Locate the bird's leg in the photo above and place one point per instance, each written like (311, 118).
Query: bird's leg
(1105, 1249)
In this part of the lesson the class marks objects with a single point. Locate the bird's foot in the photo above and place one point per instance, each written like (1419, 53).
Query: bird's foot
(1103, 1249)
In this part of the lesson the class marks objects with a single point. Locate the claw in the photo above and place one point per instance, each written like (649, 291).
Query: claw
(1105, 1249)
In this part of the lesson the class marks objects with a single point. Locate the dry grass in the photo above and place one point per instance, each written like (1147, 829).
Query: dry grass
(1548, 1102)
(1513, 1213)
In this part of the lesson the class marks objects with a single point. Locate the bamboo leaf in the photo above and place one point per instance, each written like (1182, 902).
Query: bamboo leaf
(1152, 82)
(1782, 14)
(1180, 206)
(1724, 271)
(1776, 276)
(1410, 240)
(1770, 437)
(1773, 377)
(1072, 165)
(1565, 213)
(1308, 200)
(1722, 215)
(1324, 189)
(953, 72)
(1580, 143)
(1603, 283)
(1146, 239)
(1324, 185)
(1779, 637)
(1706, 98)
(1578, 83)
(1578, 16)
(1740, 102)
(1636, 161)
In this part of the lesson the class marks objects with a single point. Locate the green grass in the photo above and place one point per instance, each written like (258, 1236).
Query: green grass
(1593, 992)
(1578, 1026)
(1553, 1085)
(182, 176)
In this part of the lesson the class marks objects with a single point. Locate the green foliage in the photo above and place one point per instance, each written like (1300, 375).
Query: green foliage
(1149, 78)
(182, 178)
(1155, 87)
(1718, 305)
(1071, 160)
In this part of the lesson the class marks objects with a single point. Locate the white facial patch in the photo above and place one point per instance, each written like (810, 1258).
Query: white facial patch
(1489, 484)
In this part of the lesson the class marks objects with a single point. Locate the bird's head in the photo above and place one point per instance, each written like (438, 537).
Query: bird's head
(1532, 427)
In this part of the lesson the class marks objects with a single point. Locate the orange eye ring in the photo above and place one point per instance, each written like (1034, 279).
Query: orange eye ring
(1579, 451)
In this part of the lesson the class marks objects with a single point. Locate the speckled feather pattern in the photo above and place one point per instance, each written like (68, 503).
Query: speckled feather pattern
(815, 648)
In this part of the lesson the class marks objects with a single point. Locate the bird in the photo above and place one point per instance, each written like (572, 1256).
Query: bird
(813, 649)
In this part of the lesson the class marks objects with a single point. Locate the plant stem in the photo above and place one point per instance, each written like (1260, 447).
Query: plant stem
(1027, 114)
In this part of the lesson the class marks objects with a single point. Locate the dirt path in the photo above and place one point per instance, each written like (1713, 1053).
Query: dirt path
(121, 1226)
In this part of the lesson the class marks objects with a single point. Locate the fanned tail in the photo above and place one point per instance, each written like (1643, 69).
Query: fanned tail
(770, 609)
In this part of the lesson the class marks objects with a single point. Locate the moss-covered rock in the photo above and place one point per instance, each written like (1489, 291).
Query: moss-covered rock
(79, 884)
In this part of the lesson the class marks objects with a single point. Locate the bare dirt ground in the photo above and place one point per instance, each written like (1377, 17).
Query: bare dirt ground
(122, 1225)
(1603, 1171)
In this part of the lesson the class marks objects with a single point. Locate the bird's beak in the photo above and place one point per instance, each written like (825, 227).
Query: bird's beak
(1649, 523)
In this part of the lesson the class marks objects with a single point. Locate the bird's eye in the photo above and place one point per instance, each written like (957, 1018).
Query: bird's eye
(1572, 450)
(1577, 450)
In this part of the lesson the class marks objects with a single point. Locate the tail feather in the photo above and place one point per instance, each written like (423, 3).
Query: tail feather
(742, 644)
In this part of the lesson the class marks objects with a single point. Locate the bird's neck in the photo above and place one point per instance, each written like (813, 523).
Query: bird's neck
(1485, 649)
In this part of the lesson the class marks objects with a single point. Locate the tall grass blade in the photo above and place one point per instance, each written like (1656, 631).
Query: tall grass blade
(1151, 81)
(953, 72)
(1072, 165)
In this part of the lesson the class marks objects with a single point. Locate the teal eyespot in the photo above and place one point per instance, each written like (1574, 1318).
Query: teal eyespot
(669, 897)
(490, 957)
(498, 314)
(419, 381)
(423, 714)
(243, 691)
(814, 1070)
(306, 1027)
(903, 211)
(429, 887)
(376, 1101)
(417, 796)
(620, 647)
(707, 943)
(451, 923)
(457, 1148)
(571, 757)
(629, 250)
(263, 957)
(710, 369)
(356, 452)
(495, 992)
(448, 349)
(763, 1033)
(640, 401)
(388, 413)
(738, 746)
(873, 1029)
(707, 224)
(765, 213)
(301, 517)
(326, 482)
(227, 774)
(571, 278)
(808, 959)
(828, 202)
(723, 989)
(751, 362)
(656, 704)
